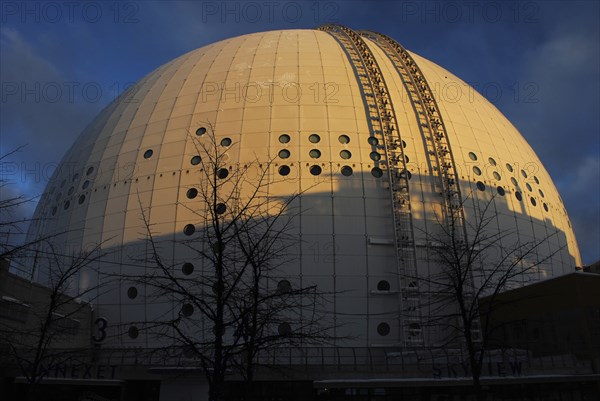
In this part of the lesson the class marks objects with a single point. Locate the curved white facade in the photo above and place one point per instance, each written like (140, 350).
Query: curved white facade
(253, 89)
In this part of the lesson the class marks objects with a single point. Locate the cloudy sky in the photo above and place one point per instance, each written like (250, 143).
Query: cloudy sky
(537, 61)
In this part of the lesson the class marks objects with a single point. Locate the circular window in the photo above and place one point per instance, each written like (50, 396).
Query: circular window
(533, 202)
(89, 171)
(187, 310)
(383, 286)
(514, 181)
(220, 208)
(545, 207)
(284, 138)
(477, 170)
(201, 131)
(284, 170)
(133, 332)
(284, 329)
(191, 193)
(284, 286)
(406, 173)
(132, 292)
(346, 171)
(523, 173)
(373, 141)
(70, 191)
(500, 191)
(187, 268)
(225, 142)
(81, 199)
(315, 153)
(528, 187)
(541, 193)
(509, 167)
(377, 172)
(383, 329)
(375, 156)
(315, 170)
(414, 329)
(472, 156)
(403, 144)
(496, 175)
(492, 161)
(537, 181)
(148, 154)
(518, 196)
(86, 184)
(480, 186)
(284, 153)
(222, 173)
(344, 139)
(67, 204)
(314, 138)
(54, 209)
(195, 160)
(189, 229)
(345, 154)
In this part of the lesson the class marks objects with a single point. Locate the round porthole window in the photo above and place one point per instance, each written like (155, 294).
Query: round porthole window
(284, 286)
(373, 141)
(284, 138)
(86, 184)
(187, 268)
(480, 186)
(541, 193)
(545, 207)
(492, 161)
(89, 171)
(315, 170)
(518, 196)
(344, 139)
(133, 332)
(533, 201)
(284, 329)
(514, 181)
(284, 153)
(377, 172)
(67, 204)
(345, 154)
(226, 142)
(187, 310)
(496, 175)
(148, 154)
(81, 199)
(315, 153)
(132, 292)
(375, 156)
(346, 171)
(220, 208)
(383, 329)
(201, 131)
(528, 187)
(383, 285)
(284, 170)
(537, 181)
(195, 160)
(222, 173)
(501, 191)
(477, 170)
(314, 138)
(509, 167)
(472, 156)
(189, 229)
(191, 193)
(523, 173)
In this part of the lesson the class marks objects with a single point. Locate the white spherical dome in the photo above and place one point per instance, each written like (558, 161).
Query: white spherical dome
(252, 89)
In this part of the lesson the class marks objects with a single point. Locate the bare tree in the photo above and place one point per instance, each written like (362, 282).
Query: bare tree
(239, 304)
(474, 259)
(44, 324)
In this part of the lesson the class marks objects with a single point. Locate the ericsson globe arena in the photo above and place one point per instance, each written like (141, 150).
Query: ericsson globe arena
(364, 155)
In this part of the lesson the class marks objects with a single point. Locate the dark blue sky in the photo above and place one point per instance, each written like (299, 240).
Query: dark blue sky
(538, 61)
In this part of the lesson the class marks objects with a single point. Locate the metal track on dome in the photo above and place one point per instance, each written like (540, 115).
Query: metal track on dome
(431, 122)
(384, 127)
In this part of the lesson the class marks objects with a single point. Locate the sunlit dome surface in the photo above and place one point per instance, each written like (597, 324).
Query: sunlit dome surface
(296, 98)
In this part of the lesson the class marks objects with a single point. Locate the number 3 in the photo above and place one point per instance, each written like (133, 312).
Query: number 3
(101, 324)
